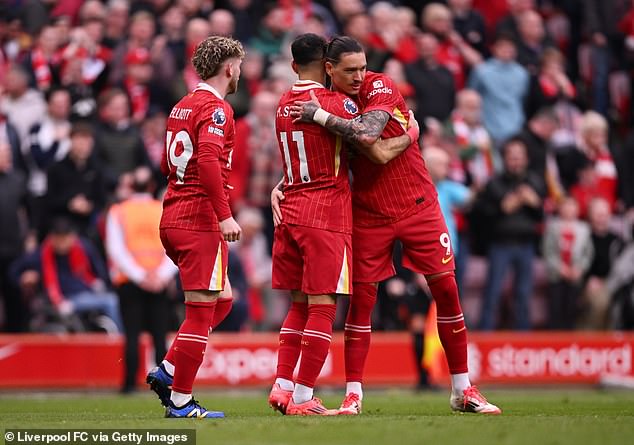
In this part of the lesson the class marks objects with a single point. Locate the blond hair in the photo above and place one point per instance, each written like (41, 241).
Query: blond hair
(433, 12)
(433, 154)
(212, 52)
(592, 120)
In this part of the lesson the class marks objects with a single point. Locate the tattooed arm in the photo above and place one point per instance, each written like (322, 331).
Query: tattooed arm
(384, 150)
(362, 131)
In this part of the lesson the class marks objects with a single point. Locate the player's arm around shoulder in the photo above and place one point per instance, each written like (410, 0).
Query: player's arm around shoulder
(384, 150)
(364, 132)
(361, 131)
(345, 108)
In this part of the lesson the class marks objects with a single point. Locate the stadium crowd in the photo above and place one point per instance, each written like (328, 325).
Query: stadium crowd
(526, 112)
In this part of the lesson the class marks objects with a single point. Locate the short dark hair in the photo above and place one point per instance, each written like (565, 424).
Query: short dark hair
(339, 45)
(546, 113)
(62, 225)
(505, 36)
(513, 140)
(142, 182)
(308, 48)
(53, 91)
(82, 127)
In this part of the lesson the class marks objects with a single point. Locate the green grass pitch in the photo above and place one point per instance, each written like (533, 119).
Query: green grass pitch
(534, 417)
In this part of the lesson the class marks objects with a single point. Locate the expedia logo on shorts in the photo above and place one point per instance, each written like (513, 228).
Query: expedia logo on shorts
(384, 90)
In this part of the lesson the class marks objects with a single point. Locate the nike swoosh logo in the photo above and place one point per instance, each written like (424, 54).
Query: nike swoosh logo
(446, 260)
(455, 331)
(352, 338)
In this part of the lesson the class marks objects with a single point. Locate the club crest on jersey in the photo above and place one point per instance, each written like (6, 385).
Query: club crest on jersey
(377, 84)
(218, 116)
(350, 106)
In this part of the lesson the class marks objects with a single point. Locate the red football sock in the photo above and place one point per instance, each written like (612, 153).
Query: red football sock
(190, 344)
(451, 327)
(315, 342)
(291, 340)
(223, 307)
(358, 329)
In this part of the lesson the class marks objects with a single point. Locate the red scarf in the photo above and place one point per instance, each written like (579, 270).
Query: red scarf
(79, 266)
(41, 69)
(139, 99)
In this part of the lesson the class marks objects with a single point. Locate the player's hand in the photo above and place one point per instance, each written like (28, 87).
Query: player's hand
(304, 111)
(276, 197)
(230, 229)
(413, 129)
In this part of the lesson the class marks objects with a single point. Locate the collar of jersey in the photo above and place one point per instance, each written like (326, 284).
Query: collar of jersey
(207, 87)
(305, 85)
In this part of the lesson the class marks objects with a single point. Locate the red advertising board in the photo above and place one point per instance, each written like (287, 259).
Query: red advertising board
(545, 357)
(236, 360)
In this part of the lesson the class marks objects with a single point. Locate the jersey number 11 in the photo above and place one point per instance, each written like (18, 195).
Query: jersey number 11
(298, 138)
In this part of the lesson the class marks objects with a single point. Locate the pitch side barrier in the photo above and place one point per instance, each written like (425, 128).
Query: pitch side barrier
(249, 359)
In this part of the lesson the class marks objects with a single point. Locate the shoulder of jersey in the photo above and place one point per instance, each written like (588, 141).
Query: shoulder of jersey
(376, 83)
(348, 104)
(219, 112)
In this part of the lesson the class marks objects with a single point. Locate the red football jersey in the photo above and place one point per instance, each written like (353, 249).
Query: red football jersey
(201, 117)
(382, 194)
(316, 184)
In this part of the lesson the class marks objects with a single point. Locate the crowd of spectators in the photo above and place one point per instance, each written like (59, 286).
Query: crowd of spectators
(525, 105)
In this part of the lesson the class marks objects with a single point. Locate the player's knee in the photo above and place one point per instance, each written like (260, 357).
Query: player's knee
(297, 296)
(322, 299)
(201, 296)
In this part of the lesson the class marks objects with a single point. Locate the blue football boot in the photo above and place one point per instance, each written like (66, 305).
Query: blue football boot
(161, 383)
(192, 410)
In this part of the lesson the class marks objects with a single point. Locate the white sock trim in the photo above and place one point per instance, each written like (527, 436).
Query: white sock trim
(302, 394)
(459, 382)
(356, 388)
(285, 384)
(179, 399)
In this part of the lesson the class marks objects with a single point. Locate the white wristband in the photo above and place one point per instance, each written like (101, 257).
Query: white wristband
(321, 116)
